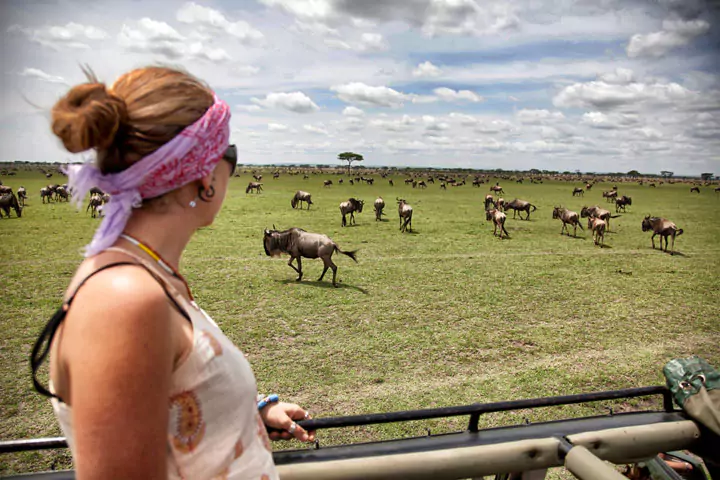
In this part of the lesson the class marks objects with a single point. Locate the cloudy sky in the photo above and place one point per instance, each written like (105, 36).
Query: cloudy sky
(590, 85)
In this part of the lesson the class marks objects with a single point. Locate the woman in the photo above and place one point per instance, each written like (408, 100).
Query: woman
(144, 383)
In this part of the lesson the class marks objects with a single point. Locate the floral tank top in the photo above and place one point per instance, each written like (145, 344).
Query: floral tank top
(215, 431)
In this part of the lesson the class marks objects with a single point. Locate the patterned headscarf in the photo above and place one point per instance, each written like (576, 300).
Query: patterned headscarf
(191, 155)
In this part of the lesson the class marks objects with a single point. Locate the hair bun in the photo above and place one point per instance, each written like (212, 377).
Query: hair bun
(89, 116)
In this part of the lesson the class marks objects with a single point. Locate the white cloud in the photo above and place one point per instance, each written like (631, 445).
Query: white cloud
(450, 95)
(650, 133)
(360, 93)
(621, 76)
(674, 33)
(320, 129)
(245, 70)
(352, 112)
(277, 127)
(610, 122)
(432, 124)
(192, 13)
(369, 42)
(513, 99)
(601, 95)
(296, 102)
(72, 35)
(538, 116)
(40, 75)
(495, 126)
(464, 119)
(426, 69)
(248, 108)
(402, 124)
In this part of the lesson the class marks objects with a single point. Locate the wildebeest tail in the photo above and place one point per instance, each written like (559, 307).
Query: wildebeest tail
(349, 254)
(679, 232)
(534, 207)
(615, 216)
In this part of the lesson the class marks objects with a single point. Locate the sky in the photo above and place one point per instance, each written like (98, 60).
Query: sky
(565, 85)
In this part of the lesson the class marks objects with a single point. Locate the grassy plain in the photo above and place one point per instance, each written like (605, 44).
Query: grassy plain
(447, 315)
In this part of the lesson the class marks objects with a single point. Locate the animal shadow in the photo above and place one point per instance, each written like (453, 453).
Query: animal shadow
(323, 284)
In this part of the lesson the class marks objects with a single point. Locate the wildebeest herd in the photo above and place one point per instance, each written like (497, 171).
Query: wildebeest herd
(298, 243)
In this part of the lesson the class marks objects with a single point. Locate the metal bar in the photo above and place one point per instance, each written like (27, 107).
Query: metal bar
(32, 444)
(586, 466)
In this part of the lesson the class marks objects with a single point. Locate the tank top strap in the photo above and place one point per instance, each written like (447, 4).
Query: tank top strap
(186, 305)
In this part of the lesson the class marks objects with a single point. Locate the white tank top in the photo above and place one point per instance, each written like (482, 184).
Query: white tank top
(215, 430)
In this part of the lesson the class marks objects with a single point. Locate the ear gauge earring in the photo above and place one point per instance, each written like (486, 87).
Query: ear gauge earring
(206, 194)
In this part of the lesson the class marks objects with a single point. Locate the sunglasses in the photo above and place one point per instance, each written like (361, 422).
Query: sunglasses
(230, 156)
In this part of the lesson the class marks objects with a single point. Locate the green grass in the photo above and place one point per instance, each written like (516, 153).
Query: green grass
(447, 315)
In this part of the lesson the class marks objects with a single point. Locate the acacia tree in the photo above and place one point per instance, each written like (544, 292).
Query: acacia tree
(706, 176)
(350, 157)
(666, 173)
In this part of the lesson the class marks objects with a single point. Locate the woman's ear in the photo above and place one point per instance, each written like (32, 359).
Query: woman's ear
(207, 180)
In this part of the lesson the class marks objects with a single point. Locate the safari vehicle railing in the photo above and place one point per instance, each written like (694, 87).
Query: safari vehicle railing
(582, 445)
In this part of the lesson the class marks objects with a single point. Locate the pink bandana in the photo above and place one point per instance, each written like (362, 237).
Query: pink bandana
(191, 155)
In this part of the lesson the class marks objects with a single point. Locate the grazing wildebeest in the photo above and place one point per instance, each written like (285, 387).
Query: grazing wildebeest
(22, 196)
(622, 203)
(598, 212)
(577, 191)
(489, 200)
(5, 189)
(408, 181)
(62, 194)
(652, 185)
(405, 211)
(8, 201)
(298, 243)
(95, 202)
(340, 181)
(392, 184)
(379, 206)
(257, 177)
(443, 186)
(498, 218)
(48, 175)
(327, 183)
(350, 207)
(522, 206)
(497, 189)
(567, 217)
(695, 189)
(422, 184)
(500, 204)
(45, 193)
(300, 197)
(611, 195)
(276, 175)
(588, 186)
(598, 230)
(664, 228)
(254, 186)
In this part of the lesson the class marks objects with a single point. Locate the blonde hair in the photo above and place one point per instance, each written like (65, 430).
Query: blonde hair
(140, 112)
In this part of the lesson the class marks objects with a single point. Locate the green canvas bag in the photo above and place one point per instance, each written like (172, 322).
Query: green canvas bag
(695, 386)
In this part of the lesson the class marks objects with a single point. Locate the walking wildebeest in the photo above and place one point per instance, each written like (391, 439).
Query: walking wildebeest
(498, 218)
(500, 204)
(300, 197)
(422, 184)
(254, 186)
(257, 177)
(520, 206)
(8, 201)
(22, 196)
(577, 191)
(45, 193)
(695, 189)
(5, 189)
(497, 189)
(350, 207)
(588, 186)
(622, 203)
(95, 202)
(598, 230)
(443, 186)
(489, 200)
(611, 195)
(298, 243)
(598, 212)
(327, 183)
(664, 228)
(379, 206)
(567, 217)
(405, 211)
(392, 184)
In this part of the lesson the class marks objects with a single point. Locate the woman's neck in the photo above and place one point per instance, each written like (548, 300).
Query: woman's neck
(166, 234)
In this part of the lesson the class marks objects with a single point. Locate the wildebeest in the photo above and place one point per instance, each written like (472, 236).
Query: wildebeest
(327, 183)
(497, 189)
(598, 212)
(597, 226)
(588, 186)
(622, 203)
(300, 197)
(257, 177)
(695, 189)
(349, 208)
(392, 184)
(522, 206)
(22, 196)
(276, 175)
(577, 191)
(405, 211)
(45, 193)
(62, 194)
(664, 228)
(8, 201)
(611, 195)
(498, 218)
(298, 243)
(254, 186)
(5, 189)
(489, 200)
(379, 206)
(422, 184)
(443, 186)
(567, 217)
(652, 185)
(95, 202)
(94, 190)
(500, 204)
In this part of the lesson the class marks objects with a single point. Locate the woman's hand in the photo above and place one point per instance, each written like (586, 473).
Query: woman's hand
(282, 416)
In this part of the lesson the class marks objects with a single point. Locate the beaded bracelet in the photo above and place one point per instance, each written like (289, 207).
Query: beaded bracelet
(267, 400)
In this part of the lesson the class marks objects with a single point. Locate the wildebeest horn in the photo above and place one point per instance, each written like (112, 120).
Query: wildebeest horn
(274, 227)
